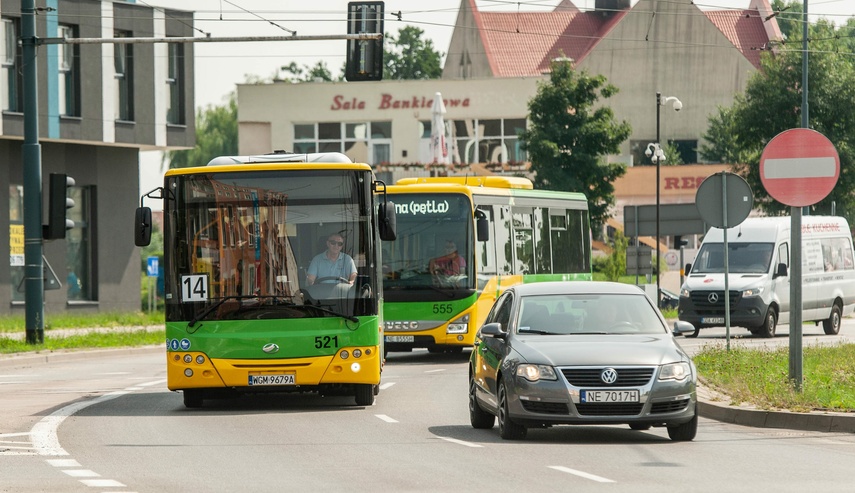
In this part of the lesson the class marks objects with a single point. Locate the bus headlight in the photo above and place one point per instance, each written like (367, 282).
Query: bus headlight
(459, 325)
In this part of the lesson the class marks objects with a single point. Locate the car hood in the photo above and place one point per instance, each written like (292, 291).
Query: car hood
(596, 350)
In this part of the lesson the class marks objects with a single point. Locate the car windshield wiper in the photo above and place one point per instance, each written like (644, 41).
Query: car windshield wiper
(222, 300)
(526, 330)
(592, 332)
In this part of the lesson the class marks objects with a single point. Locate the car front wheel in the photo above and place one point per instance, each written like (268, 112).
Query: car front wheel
(831, 325)
(685, 432)
(508, 429)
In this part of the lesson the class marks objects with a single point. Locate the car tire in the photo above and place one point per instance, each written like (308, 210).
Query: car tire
(193, 398)
(770, 323)
(508, 429)
(831, 325)
(685, 432)
(479, 418)
(364, 394)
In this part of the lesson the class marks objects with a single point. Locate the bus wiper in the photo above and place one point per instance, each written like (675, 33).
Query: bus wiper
(222, 300)
(349, 318)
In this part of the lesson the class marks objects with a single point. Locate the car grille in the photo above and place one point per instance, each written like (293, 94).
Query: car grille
(701, 299)
(668, 407)
(590, 377)
(610, 409)
(545, 407)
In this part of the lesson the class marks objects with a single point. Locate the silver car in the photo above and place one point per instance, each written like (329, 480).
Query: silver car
(586, 353)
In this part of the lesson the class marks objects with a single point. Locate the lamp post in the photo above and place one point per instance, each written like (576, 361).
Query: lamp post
(657, 155)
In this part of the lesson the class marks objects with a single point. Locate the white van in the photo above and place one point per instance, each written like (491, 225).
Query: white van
(759, 262)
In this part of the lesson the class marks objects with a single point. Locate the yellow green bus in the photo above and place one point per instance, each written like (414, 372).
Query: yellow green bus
(461, 241)
(272, 276)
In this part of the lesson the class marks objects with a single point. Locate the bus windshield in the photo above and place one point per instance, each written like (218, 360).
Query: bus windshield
(242, 245)
(433, 250)
(743, 258)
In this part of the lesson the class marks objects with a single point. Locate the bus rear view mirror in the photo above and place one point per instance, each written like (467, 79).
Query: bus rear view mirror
(482, 227)
(142, 226)
(388, 223)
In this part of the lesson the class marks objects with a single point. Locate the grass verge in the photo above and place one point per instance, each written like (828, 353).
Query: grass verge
(92, 340)
(17, 323)
(761, 377)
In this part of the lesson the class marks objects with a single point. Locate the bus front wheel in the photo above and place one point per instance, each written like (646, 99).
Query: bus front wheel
(364, 394)
(192, 398)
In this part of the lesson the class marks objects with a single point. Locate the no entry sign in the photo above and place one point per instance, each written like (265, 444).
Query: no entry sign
(799, 167)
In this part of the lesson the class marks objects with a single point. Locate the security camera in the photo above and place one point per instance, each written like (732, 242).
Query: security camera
(648, 152)
(678, 105)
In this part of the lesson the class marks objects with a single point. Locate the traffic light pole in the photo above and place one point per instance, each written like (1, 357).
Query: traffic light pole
(32, 157)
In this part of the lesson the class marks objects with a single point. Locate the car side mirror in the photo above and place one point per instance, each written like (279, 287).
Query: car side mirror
(681, 327)
(493, 330)
(687, 269)
(781, 271)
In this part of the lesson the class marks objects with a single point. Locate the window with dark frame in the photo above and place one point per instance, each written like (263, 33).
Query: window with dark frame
(124, 58)
(69, 73)
(13, 96)
(175, 81)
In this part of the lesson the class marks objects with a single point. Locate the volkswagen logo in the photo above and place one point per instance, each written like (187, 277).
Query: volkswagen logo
(270, 348)
(713, 298)
(609, 376)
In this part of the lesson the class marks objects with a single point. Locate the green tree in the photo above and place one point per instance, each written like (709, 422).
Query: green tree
(615, 265)
(772, 104)
(568, 139)
(305, 73)
(408, 56)
(216, 135)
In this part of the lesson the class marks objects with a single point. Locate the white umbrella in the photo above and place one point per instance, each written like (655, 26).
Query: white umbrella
(438, 143)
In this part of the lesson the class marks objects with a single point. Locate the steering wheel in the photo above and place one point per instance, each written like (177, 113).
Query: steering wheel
(331, 278)
(623, 325)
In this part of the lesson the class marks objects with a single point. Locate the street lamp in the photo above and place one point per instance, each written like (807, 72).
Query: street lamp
(657, 155)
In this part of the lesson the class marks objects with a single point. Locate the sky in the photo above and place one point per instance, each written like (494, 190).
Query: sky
(221, 66)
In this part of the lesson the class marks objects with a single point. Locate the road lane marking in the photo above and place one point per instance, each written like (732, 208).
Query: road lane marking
(435, 371)
(386, 418)
(581, 474)
(81, 473)
(386, 385)
(461, 442)
(63, 462)
(102, 483)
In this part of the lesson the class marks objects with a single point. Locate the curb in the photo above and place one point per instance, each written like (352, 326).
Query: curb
(27, 360)
(717, 406)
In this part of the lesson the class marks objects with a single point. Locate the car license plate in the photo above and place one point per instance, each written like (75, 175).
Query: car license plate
(712, 320)
(591, 396)
(400, 338)
(278, 379)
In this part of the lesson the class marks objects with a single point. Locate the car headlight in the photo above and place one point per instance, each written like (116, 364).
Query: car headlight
(533, 373)
(675, 371)
(685, 293)
(752, 292)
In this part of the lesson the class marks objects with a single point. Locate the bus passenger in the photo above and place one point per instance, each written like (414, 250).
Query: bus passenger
(449, 264)
(332, 264)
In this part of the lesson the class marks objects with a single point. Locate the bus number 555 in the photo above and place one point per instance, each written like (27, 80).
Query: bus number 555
(442, 308)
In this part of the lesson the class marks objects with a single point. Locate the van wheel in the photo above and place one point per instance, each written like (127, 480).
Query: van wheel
(831, 325)
(769, 324)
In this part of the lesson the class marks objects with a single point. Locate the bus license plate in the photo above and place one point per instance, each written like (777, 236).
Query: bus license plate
(712, 320)
(400, 338)
(589, 396)
(281, 379)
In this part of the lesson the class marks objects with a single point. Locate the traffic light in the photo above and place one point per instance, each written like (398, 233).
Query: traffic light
(58, 204)
(364, 59)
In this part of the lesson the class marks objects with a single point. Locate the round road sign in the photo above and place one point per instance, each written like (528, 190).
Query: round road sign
(799, 167)
(711, 204)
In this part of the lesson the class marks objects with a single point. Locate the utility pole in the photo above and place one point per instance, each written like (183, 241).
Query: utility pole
(32, 157)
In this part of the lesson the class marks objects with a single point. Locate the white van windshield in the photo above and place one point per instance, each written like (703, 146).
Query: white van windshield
(743, 258)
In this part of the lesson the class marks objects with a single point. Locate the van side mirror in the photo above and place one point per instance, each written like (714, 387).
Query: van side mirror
(387, 222)
(781, 271)
(142, 226)
(687, 269)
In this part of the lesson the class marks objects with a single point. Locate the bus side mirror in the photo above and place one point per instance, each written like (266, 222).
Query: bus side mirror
(781, 271)
(142, 226)
(482, 226)
(688, 269)
(388, 223)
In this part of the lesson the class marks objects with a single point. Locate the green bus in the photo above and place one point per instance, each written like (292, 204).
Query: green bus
(240, 237)
(461, 241)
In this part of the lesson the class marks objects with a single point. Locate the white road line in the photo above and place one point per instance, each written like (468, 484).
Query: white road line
(81, 473)
(63, 462)
(114, 373)
(386, 385)
(150, 384)
(461, 442)
(45, 441)
(581, 474)
(386, 418)
(102, 483)
(435, 371)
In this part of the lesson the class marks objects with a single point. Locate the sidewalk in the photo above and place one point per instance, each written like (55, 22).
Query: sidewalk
(711, 404)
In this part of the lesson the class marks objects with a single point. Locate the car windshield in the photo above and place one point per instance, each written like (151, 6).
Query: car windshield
(588, 314)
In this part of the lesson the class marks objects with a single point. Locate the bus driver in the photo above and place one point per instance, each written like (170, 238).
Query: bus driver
(332, 264)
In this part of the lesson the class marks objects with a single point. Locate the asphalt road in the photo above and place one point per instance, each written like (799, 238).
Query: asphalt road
(109, 424)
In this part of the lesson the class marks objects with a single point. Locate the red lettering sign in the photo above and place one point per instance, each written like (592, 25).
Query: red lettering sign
(340, 104)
